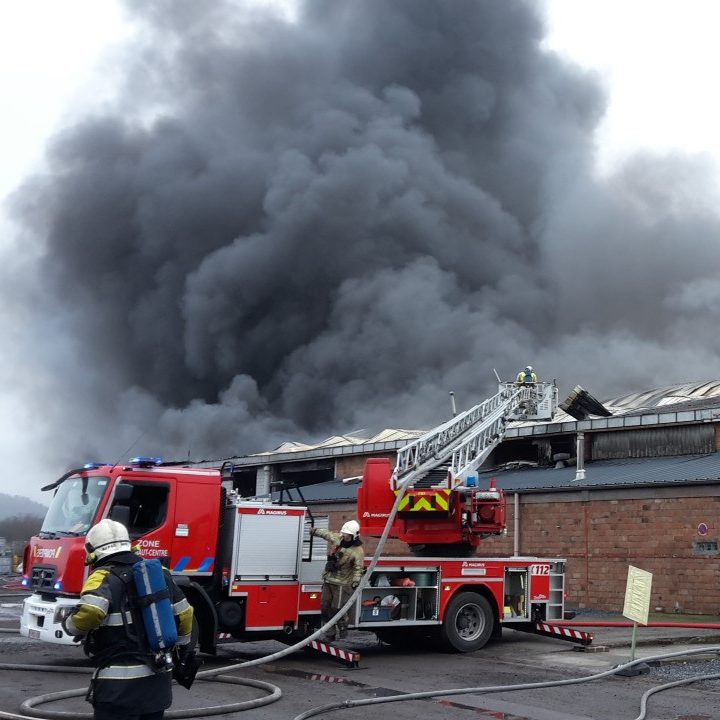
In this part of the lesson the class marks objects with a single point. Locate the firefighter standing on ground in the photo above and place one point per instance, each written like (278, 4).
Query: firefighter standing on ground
(343, 571)
(128, 683)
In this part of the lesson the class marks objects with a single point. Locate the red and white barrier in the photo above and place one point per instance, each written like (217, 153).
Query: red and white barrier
(564, 633)
(346, 656)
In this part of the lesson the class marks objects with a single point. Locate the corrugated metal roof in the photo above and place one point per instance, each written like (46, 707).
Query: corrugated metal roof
(392, 435)
(657, 402)
(692, 412)
(674, 404)
(632, 471)
(332, 441)
(388, 440)
(607, 473)
(668, 395)
(387, 435)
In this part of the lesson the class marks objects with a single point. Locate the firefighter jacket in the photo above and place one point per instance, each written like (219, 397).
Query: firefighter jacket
(127, 675)
(525, 378)
(345, 564)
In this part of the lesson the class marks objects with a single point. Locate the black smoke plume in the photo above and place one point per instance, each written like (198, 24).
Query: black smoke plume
(284, 229)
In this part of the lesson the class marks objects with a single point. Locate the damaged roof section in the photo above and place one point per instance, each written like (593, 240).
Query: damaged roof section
(580, 404)
(661, 436)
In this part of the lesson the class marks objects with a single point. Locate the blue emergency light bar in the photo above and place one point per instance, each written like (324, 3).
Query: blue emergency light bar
(145, 462)
(93, 465)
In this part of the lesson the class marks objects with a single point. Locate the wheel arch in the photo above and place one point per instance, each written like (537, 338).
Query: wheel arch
(483, 590)
(204, 614)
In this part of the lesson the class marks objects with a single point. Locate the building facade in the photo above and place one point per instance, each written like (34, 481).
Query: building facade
(649, 495)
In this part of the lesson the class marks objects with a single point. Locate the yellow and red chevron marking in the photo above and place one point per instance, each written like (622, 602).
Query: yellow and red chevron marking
(425, 501)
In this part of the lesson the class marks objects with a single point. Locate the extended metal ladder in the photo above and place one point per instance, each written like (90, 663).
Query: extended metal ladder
(459, 446)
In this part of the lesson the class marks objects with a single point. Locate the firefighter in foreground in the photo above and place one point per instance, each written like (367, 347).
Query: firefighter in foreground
(343, 571)
(131, 682)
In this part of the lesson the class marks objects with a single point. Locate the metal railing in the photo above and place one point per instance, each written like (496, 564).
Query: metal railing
(469, 438)
(438, 444)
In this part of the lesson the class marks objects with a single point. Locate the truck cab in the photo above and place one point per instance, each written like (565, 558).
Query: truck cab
(166, 510)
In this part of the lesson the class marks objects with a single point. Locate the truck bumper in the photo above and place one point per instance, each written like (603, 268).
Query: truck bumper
(41, 619)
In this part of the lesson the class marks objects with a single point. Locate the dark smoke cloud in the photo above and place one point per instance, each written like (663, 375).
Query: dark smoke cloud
(283, 230)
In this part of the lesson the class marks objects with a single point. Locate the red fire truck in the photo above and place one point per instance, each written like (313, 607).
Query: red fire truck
(252, 570)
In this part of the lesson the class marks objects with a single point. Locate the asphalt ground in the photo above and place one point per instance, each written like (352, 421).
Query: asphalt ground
(309, 680)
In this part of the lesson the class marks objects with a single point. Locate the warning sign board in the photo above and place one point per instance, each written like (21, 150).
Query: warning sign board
(637, 595)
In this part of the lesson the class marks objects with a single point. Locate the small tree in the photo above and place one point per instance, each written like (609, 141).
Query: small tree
(20, 527)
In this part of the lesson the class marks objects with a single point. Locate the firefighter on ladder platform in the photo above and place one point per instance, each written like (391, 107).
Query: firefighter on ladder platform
(343, 571)
(527, 377)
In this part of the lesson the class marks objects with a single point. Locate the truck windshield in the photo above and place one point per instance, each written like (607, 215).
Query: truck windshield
(74, 505)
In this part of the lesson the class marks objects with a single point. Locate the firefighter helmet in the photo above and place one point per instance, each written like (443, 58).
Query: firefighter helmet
(529, 369)
(107, 538)
(351, 527)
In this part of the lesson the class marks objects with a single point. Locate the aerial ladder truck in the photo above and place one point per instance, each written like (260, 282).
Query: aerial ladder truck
(442, 510)
(251, 570)
(432, 500)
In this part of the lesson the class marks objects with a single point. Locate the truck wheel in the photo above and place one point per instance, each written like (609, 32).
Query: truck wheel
(468, 622)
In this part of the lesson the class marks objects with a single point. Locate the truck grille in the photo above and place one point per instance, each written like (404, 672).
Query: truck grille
(43, 577)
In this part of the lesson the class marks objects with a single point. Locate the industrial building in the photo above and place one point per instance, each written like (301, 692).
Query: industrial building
(645, 491)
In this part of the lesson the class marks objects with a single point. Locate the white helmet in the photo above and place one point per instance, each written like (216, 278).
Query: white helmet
(528, 368)
(107, 538)
(351, 527)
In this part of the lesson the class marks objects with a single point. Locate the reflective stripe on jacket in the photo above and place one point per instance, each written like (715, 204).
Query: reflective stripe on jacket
(124, 672)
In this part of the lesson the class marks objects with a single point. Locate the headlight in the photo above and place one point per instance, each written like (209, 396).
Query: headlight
(62, 612)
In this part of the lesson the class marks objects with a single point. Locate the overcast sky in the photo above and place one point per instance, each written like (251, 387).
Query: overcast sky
(59, 62)
(658, 59)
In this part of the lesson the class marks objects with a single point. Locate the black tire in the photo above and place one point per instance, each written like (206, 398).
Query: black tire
(468, 623)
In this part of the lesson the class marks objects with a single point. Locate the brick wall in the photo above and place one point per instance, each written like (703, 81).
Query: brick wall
(355, 465)
(601, 537)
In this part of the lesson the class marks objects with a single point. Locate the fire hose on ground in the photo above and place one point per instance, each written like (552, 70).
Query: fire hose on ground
(348, 704)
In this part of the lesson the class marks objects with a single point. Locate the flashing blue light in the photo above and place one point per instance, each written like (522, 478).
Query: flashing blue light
(57, 585)
(25, 582)
(146, 461)
(93, 465)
